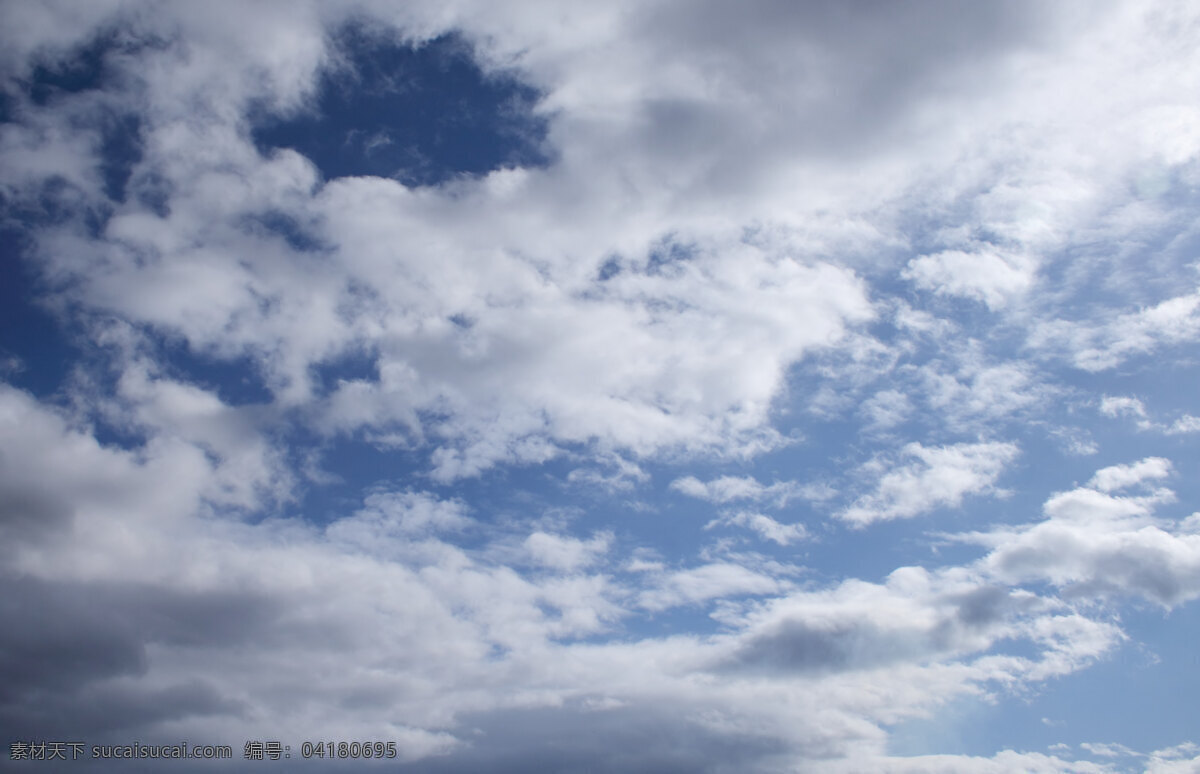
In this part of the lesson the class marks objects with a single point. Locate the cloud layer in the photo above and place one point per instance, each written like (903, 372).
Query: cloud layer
(725, 412)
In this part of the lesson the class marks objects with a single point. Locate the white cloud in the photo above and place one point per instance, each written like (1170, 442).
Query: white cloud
(936, 477)
(566, 553)
(766, 527)
(1180, 759)
(1094, 543)
(886, 408)
(1107, 750)
(389, 520)
(976, 391)
(1001, 763)
(249, 470)
(1076, 441)
(1122, 406)
(617, 475)
(1101, 346)
(988, 276)
(1185, 424)
(727, 489)
(1124, 476)
(1133, 407)
(706, 582)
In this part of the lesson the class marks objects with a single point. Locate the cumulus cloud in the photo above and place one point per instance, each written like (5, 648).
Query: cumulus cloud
(1124, 476)
(1121, 406)
(1184, 425)
(936, 477)
(565, 553)
(1093, 542)
(984, 276)
(1179, 758)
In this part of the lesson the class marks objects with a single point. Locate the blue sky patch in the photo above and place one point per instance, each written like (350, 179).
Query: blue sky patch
(421, 113)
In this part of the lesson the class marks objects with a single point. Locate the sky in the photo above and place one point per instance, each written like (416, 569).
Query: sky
(616, 387)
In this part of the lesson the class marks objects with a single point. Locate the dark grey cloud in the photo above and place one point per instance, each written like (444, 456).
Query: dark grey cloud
(984, 605)
(799, 646)
(28, 513)
(816, 644)
(62, 637)
(70, 641)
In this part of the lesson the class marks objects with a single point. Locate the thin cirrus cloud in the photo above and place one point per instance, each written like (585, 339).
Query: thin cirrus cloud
(639, 387)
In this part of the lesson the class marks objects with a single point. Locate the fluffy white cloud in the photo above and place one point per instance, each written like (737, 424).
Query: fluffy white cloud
(936, 477)
(565, 553)
(1096, 543)
(1118, 406)
(1185, 424)
(986, 275)
(1124, 476)
(1179, 759)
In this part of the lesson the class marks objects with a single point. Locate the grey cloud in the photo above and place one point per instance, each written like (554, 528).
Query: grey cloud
(818, 641)
(876, 627)
(1097, 542)
(29, 514)
(984, 605)
(888, 41)
(851, 75)
(1087, 563)
(61, 637)
(798, 646)
(635, 739)
(67, 642)
(115, 712)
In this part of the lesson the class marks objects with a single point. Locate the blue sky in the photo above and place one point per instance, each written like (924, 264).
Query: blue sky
(650, 386)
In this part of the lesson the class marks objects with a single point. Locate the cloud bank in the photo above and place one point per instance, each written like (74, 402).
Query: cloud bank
(644, 387)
